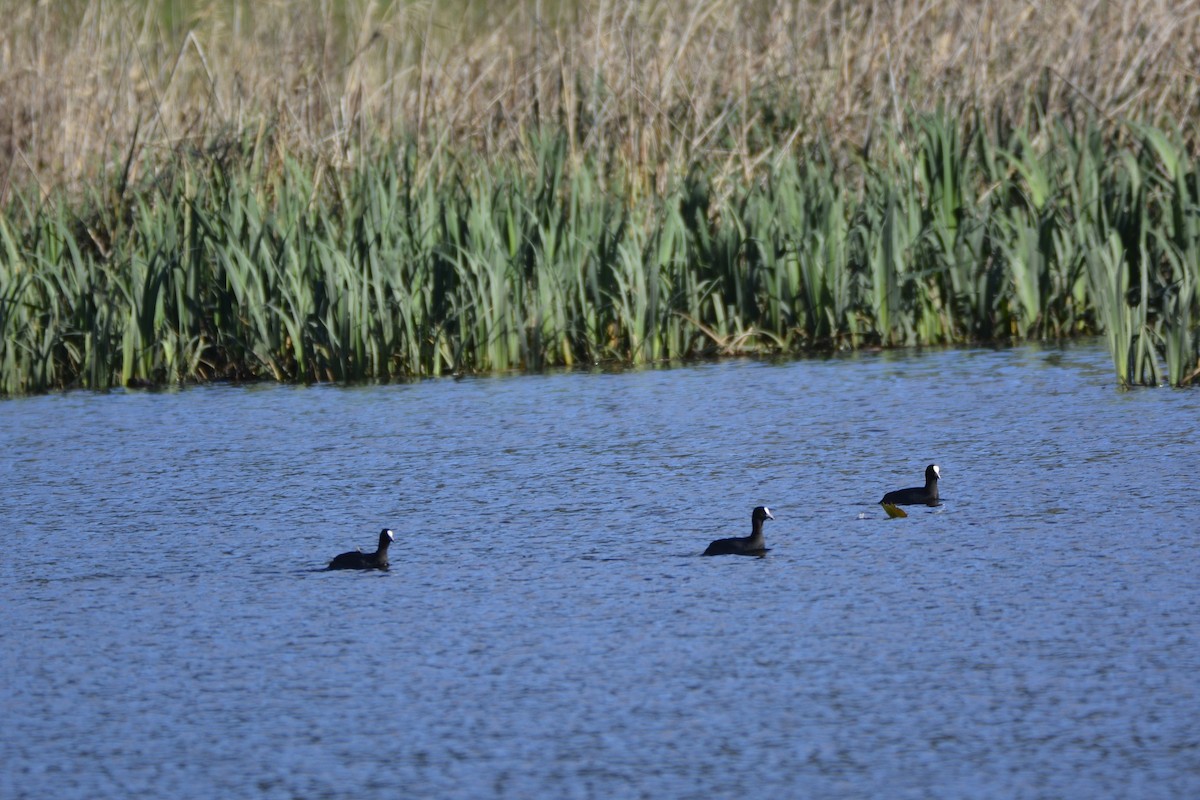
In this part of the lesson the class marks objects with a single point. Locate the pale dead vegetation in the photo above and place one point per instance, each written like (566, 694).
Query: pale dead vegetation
(90, 85)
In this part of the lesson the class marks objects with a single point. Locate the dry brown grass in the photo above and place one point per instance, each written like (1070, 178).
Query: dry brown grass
(648, 85)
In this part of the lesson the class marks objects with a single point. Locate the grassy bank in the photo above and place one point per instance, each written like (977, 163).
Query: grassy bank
(198, 191)
(241, 264)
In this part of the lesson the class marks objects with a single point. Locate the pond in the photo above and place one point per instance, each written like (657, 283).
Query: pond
(548, 627)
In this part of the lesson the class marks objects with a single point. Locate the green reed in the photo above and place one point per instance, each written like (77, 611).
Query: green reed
(246, 262)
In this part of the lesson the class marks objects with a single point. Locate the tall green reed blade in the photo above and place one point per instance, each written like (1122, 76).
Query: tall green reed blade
(143, 301)
(16, 279)
(1109, 276)
(1026, 263)
(1145, 368)
(1175, 248)
(942, 165)
(888, 269)
(631, 298)
(1036, 184)
(1179, 334)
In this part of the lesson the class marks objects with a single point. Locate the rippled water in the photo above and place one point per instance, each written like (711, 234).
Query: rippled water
(548, 628)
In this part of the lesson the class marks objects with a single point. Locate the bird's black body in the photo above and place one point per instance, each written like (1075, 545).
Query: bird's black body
(360, 560)
(926, 495)
(752, 545)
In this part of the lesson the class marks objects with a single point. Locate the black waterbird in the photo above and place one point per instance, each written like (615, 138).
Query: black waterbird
(926, 495)
(357, 559)
(752, 545)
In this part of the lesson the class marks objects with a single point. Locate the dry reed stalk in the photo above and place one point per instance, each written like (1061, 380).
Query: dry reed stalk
(645, 86)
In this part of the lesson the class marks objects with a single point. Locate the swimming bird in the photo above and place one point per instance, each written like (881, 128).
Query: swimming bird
(357, 559)
(752, 545)
(926, 495)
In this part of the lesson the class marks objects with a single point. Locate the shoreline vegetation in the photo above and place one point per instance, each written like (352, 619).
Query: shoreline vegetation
(358, 190)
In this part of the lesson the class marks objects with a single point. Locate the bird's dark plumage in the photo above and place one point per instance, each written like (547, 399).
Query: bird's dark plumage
(360, 560)
(752, 545)
(926, 495)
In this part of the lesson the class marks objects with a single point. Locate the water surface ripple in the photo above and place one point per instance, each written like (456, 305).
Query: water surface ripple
(548, 628)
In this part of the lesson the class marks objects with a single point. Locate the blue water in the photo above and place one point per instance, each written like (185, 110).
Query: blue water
(548, 628)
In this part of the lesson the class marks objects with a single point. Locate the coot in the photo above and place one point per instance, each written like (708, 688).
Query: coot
(752, 545)
(926, 495)
(360, 560)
